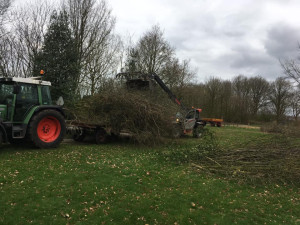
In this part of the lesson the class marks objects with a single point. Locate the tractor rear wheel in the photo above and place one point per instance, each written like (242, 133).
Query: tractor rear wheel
(1, 138)
(47, 129)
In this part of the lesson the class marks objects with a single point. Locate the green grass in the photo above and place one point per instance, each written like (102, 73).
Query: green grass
(119, 183)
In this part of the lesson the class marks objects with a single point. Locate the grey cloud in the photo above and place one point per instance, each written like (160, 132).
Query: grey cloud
(228, 38)
(246, 56)
(282, 41)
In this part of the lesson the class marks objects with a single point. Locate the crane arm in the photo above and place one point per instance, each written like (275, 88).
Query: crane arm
(171, 95)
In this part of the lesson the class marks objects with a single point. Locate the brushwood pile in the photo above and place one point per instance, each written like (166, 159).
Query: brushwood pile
(148, 118)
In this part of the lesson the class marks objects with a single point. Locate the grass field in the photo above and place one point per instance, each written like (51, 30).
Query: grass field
(119, 183)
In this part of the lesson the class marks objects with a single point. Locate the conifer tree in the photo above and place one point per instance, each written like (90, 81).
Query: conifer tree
(59, 57)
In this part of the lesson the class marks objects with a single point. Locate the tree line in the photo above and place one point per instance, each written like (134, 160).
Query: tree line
(244, 100)
(76, 45)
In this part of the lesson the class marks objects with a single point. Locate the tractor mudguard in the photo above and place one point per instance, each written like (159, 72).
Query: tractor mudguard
(56, 107)
(37, 109)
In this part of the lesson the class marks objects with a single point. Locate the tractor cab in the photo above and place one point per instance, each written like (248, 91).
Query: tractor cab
(19, 95)
(21, 100)
(192, 118)
(190, 122)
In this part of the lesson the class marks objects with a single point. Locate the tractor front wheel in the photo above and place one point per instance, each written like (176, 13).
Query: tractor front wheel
(47, 129)
(177, 131)
(1, 138)
(198, 131)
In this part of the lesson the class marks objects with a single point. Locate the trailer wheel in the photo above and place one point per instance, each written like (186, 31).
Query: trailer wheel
(101, 136)
(198, 131)
(79, 137)
(47, 129)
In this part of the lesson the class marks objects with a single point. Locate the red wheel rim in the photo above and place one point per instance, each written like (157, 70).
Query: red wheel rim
(48, 129)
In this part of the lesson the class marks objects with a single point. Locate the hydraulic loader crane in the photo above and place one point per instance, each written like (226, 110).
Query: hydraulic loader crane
(189, 123)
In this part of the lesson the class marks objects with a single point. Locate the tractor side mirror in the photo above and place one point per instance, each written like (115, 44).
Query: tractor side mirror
(60, 101)
(17, 89)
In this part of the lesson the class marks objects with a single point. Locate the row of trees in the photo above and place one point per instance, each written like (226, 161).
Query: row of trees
(76, 45)
(245, 99)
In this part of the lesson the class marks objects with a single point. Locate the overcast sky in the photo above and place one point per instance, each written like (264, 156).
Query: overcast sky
(222, 38)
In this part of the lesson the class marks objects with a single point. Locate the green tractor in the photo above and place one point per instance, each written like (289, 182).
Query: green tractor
(27, 113)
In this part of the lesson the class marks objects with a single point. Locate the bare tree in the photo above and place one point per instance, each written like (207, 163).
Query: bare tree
(259, 89)
(101, 64)
(92, 25)
(295, 103)
(5, 44)
(177, 74)
(4, 5)
(280, 93)
(241, 91)
(25, 38)
(292, 70)
(10, 62)
(154, 52)
(213, 90)
(225, 102)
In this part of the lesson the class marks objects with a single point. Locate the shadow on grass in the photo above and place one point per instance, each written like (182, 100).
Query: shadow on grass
(18, 147)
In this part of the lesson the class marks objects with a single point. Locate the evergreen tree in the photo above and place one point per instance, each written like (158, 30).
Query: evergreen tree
(59, 57)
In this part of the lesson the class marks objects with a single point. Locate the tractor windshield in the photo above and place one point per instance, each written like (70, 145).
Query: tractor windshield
(6, 93)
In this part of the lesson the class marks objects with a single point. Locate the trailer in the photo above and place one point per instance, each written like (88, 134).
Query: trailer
(213, 121)
(80, 130)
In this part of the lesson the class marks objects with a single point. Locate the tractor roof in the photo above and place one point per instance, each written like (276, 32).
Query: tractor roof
(30, 80)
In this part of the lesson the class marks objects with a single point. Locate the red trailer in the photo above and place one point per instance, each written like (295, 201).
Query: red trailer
(213, 121)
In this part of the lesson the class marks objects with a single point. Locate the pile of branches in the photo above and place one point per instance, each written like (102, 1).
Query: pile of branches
(278, 162)
(288, 130)
(273, 160)
(146, 118)
(255, 164)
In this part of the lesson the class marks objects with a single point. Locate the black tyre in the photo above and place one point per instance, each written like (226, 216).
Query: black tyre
(101, 136)
(198, 131)
(79, 137)
(47, 129)
(16, 141)
(1, 138)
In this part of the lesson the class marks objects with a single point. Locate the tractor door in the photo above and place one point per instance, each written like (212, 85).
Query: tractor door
(190, 120)
(6, 101)
(26, 99)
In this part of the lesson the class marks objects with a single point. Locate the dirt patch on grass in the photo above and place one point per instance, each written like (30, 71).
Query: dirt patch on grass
(242, 126)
